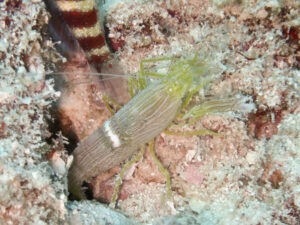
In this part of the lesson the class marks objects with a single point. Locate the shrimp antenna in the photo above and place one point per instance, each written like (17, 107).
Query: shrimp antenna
(107, 75)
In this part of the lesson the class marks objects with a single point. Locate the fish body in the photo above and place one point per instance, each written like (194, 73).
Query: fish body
(75, 23)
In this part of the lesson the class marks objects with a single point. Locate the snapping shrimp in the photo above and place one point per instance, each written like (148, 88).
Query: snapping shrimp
(145, 116)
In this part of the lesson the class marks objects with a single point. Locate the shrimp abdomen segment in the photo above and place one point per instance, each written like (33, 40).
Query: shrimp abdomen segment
(138, 122)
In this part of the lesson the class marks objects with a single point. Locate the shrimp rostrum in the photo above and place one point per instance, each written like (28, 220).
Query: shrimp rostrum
(145, 116)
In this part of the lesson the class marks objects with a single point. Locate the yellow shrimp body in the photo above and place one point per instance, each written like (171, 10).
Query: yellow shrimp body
(139, 121)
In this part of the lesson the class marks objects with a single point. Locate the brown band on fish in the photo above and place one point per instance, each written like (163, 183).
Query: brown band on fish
(81, 17)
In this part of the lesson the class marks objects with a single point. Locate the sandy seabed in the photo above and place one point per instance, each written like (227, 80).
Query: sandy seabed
(248, 175)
